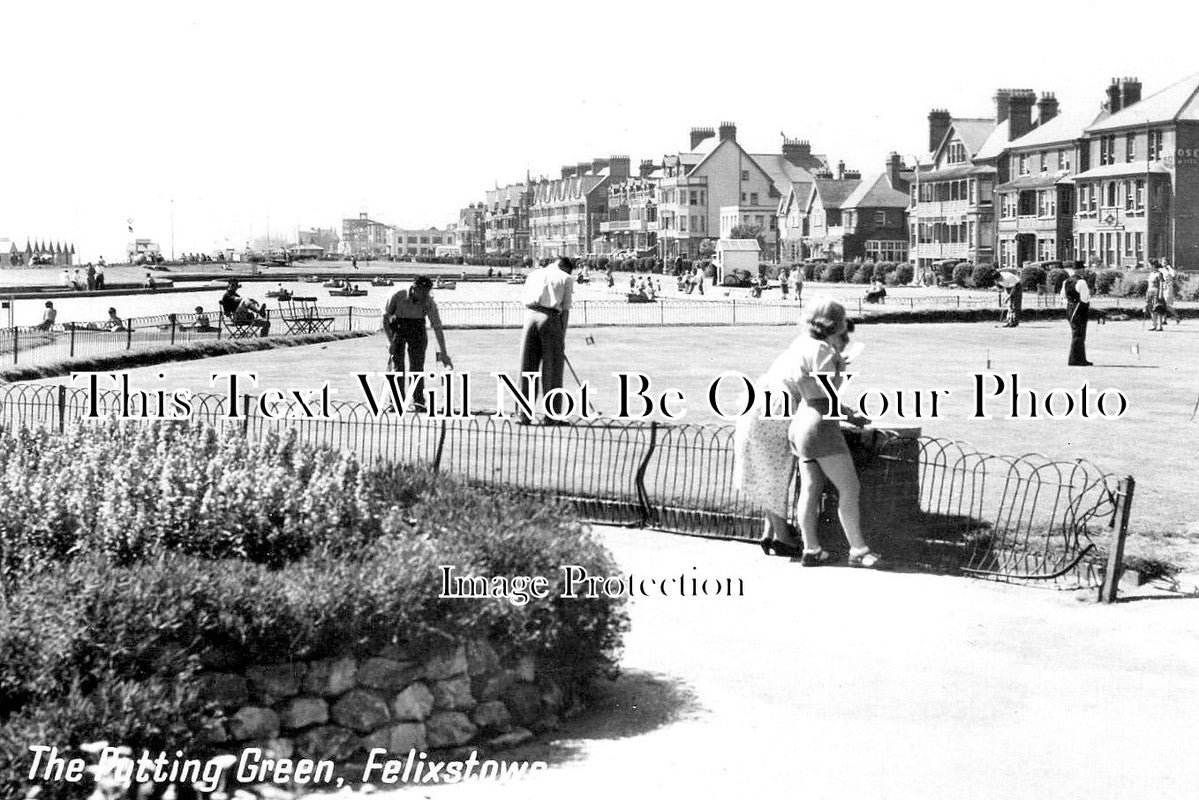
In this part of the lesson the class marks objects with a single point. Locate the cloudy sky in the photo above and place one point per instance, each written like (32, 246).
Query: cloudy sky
(251, 116)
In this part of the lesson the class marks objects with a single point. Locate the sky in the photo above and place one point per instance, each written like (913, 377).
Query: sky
(208, 124)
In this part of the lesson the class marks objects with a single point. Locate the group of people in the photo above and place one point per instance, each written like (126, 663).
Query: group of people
(79, 281)
(1160, 294)
(645, 287)
(767, 446)
(791, 278)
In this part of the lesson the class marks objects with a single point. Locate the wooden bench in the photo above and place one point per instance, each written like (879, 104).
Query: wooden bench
(243, 330)
(301, 315)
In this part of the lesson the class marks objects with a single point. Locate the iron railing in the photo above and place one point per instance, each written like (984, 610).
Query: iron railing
(926, 501)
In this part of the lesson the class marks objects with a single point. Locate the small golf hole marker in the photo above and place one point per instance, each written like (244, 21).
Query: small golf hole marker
(590, 339)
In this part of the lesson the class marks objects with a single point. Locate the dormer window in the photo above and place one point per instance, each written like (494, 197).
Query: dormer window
(956, 153)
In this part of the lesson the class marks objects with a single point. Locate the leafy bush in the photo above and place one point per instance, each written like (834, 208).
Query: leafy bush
(864, 273)
(810, 270)
(132, 554)
(1107, 280)
(1032, 278)
(832, 273)
(900, 276)
(1056, 277)
(884, 268)
(984, 276)
(962, 273)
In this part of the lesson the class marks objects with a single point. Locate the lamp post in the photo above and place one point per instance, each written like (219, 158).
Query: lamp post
(917, 273)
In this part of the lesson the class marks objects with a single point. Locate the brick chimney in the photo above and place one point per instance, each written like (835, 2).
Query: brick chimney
(728, 130)
(619, 167)
(938, 126)
(894, 167)
(1020, 105)
(852, 175)
(599, 164)
(647, 168)
(797, 151)
(582, 168)
(699, 134)
(1002, 100)
(1130, 92)
(1046, 107)
(1113, 96)
(840, 170)
(568, 171)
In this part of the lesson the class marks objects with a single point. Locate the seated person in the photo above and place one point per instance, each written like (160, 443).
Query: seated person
(877, 292)
(250, 313)
(150, 282)
(231, 300)
(114, 322)
(48, 317)
(202, 323)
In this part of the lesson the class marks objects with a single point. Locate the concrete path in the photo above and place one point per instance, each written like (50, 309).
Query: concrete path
(840, 683)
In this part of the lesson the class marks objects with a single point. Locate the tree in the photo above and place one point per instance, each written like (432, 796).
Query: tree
(744, 231)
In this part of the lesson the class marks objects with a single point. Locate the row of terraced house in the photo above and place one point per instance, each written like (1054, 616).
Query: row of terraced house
(1113, 183)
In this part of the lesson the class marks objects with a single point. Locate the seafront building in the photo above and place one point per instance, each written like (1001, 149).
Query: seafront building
(856, 218)
(632, 224)
(412, 243)
(363, 237)
(506, 228)
(566, 214)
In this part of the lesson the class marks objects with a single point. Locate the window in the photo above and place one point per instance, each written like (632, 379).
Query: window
(1129, 197)
(1111, 194)
(1130, 146)
(743, 197)
(971, 192)
(1061, 159)
(1140, 252)
(744, 174)
(1107, 150)
(753, 198)
(694, 197)
(1155, 145)
(880, 217)
(1044, 163)
(1140, 204)
(956, 153)
(1024, 164)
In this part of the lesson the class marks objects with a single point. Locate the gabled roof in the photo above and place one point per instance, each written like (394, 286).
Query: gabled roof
(1175, 102)
(1065, 127)
(996, 141)
(1130, 169)
(782, 173)
(832, 192)
(875, 191)
(972, 132)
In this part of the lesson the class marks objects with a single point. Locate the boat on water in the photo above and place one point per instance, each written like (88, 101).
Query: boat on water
(444, 285)
(332, 284)
(516, 280)
(347, 292)
(313, 279)
(382, 282)
(281, 294)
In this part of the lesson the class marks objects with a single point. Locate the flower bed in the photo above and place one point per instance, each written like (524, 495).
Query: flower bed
(139, 560)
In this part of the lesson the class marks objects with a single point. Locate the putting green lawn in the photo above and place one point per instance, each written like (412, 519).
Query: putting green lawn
(1154, 440)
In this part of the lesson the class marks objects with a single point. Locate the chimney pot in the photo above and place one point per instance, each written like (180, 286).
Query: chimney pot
(699, 134)
(728, 130)
(1130, 92)
(840, 170)
(938, 126)
(1020, 103)
(1046, 107)
(1113, 96)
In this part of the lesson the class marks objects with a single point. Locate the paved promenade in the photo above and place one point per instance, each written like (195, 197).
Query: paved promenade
(838, 683)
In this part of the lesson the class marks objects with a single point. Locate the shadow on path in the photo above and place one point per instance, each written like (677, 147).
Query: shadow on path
(634, 704)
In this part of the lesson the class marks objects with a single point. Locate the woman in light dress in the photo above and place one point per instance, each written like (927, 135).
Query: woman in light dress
(766, 445)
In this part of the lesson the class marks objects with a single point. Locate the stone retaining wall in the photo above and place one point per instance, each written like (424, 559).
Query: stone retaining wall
(340, 708)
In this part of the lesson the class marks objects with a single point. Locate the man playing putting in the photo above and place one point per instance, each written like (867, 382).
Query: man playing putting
(404, 323)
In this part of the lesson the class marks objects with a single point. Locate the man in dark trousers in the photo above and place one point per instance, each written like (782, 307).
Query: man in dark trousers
(404, 323)
(547, 296)
(1078, 307)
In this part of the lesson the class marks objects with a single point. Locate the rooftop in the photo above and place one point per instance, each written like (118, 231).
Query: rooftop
(1176, 102)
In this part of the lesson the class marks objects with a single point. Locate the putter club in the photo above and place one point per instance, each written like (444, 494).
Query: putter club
(575, 375)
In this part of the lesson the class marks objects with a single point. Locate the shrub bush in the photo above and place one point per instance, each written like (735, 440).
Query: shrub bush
(962, 273)
(832, 273)
(1107, 279)
(810, 271)
(984, 276)
(134, 553)
(863, 273)
(1032, 278)
(900, 276)
(945, 273)
(1056, 277)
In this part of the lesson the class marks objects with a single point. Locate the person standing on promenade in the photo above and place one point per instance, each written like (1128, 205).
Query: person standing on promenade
(100, 274)
(547, 296)
(1078, 307)
(1155, 298)
(797, 283)
(1170, 289)
(784, 279)
(404, 323)
(91, 277)
(1013, 289)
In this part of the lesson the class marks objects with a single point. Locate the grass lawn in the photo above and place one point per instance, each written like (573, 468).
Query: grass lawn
(1158, 374)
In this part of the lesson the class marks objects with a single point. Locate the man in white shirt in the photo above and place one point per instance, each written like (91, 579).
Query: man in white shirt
(1078, 307)
(1170, 289)
(547, 295)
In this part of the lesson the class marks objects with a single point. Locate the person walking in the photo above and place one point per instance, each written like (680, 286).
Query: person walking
(817, 441)
(797, 283)
(1013, 289)
(784, 279)
(1078, 307)
(547, 298)
(404, 323)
